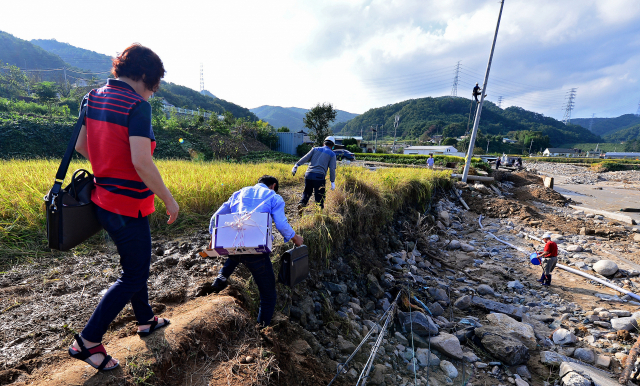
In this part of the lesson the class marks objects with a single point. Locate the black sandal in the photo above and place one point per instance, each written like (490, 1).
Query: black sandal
(85, 353)
(154, 326)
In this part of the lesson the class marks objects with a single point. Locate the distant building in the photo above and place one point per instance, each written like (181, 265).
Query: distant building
(426, 150)
(340, 138)
(289, 142)
(621, 155)
(507, 140)
(559, 152)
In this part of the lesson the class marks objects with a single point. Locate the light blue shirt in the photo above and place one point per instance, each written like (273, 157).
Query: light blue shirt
(247, 199)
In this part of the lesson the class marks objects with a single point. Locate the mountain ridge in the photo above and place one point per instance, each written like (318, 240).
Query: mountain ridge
(292, 117)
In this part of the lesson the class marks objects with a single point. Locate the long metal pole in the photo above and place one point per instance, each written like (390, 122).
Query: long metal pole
(476, 122)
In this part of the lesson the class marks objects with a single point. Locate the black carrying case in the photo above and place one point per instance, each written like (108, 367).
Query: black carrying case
(71, 216)
(294, 266)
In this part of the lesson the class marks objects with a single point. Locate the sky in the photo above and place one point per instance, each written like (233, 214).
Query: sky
(362, 54)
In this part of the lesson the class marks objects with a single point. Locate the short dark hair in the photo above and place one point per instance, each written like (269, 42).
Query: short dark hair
(269, 180)
(328, 142)
(139, 62)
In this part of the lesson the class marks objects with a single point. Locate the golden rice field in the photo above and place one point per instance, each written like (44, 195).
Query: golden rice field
(201, 187)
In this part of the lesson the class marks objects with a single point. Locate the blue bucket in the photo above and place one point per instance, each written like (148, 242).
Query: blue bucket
(535, 260)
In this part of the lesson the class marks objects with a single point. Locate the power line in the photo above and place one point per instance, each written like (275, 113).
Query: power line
(454, 88)
(571, 95)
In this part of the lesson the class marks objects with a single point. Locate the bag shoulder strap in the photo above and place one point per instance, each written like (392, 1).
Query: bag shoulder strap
(66, 160)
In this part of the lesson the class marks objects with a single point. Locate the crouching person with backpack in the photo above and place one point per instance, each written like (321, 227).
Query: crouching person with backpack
(262, 198)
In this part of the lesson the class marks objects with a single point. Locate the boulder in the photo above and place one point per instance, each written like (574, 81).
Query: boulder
(374, 286)
(377, 378)
(523, 332)
(628, 323)
(593, 376)
(444, 217)
(490, 305)
(585, 355)
(447, 344)
(467, 248)
(345, 346)
(449, 369)
(563, 336)
(463, 302)
(605, 267)
(573, 248)
(455, 244)
(426, 358)
(484, 289)
(418, 322)
(515, 285)
(439, 294)
(502, 346)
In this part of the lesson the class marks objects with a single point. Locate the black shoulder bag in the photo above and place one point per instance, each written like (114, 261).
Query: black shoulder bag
(294, 266)
(71, 216)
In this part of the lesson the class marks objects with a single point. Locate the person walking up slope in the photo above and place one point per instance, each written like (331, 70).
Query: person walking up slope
(320, 159)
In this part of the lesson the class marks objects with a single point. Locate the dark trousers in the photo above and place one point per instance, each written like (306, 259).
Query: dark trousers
(317, 187)
(133, 240)
(262, 271)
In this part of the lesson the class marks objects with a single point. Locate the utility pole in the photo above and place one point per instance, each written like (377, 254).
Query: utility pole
(530, 145)
(638, 111)
(454, 88)
(591, 121)
(487, 146)
(571, 95)
(500, 101)
(395, 132)
(201, 80)
(476, 122)
(375, 146)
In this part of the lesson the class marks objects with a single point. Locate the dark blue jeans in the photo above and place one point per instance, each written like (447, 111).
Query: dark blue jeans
(315, 187)
(262, 270)
(133, 240)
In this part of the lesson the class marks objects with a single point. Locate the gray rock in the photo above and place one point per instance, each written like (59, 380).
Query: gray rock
(463, 302)
(436, 309)
(490, 305)
(427, 358)
(344, 345)
(377, 378)
(447, 344)
(575, 379)
(573, 248)
(509, 326)
(333, 287)
(401, 339)
(439, 294)
(374, 287)
(467, 247)
(454, 244)
(562, 336)
(597, 377)
(444, 217)
(585, 355)
(484, 289)
(515, 285)
(342, 298)
(503, 347)
(628, 323)
(620, 313)
(605, 267)
(449, 369)
(420, 323)
(523, 371)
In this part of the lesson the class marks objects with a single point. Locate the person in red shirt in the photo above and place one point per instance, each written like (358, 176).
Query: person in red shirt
(549, 259)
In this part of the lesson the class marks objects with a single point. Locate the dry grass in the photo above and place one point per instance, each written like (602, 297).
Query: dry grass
(363, 201)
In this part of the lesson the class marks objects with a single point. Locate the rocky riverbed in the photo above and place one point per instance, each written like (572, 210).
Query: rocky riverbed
(470, 311)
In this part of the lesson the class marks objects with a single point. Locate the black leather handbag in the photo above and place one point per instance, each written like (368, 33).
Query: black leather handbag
(71, 216)
(294, 266)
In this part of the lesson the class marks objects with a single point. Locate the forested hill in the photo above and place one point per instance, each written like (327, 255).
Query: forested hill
(605, 126)
(450, 115)
(22, 53)
(291, 117)
(630, 133)
(75, 56)
(184, 97)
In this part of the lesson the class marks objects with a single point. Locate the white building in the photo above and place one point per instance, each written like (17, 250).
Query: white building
(426, 150)
(559, 152)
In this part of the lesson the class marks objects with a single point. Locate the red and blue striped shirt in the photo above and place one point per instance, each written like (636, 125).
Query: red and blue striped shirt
(116, 112)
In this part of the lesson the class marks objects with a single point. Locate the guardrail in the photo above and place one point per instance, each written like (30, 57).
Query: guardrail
(178, 110)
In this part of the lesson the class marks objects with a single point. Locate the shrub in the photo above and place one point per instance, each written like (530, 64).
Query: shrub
(303, 149)
(354, 148)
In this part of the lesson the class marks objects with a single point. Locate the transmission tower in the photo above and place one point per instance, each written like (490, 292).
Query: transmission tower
(638, 111)
(201, 80)
(568, 107)
(454, 88)
(500, 101)
(591, 121)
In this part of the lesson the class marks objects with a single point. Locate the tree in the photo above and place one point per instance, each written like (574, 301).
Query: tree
(317, 121)
(47, 93)
(158, 115)
(13, 82)
(283, 129)
(449, 142)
